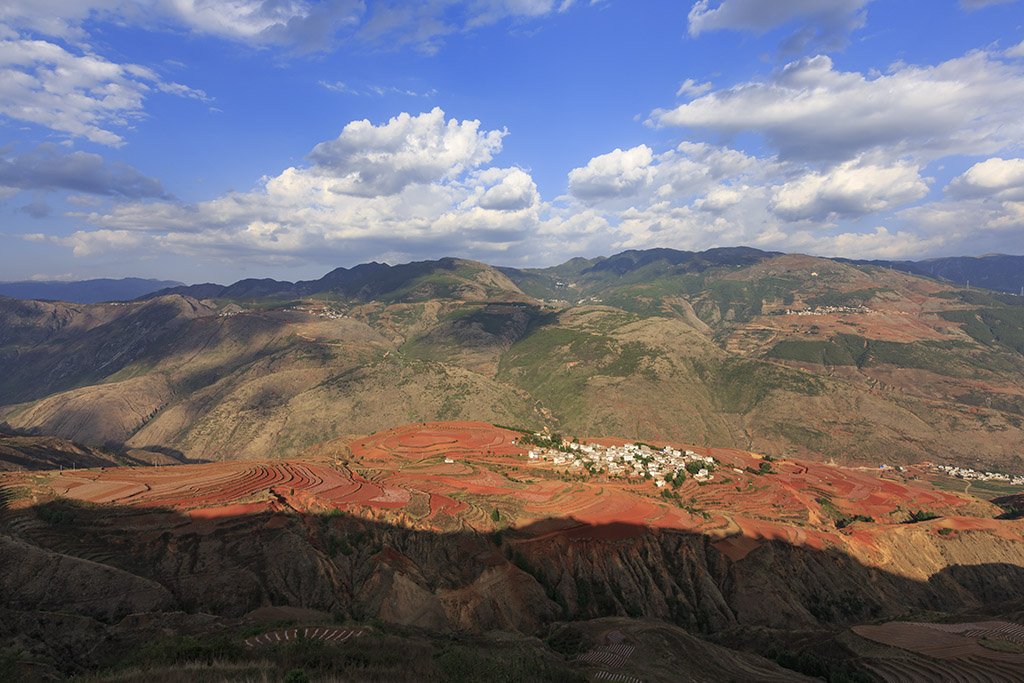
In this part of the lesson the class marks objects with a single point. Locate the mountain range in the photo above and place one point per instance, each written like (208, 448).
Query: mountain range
(997, 272)
(782, 353)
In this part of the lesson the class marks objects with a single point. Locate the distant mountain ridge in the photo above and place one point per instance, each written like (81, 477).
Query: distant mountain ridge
(252, 287)
(85, 291)
(997, 272)
(419, 279)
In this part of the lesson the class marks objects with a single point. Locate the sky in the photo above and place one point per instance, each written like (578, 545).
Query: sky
(210, 141)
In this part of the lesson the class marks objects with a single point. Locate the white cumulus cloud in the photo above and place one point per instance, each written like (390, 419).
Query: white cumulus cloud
(410, 186)
(616, 174)
(996, 178)
(370, 160)
(514, 191)
(808, 110)
(850, 190)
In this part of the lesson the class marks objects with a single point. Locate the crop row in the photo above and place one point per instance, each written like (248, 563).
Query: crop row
(971, 670)
(288, 635)
(989, 629)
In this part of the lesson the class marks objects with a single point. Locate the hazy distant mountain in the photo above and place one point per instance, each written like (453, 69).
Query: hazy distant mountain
(998, 272)
(85, 291)
(417, 280)
(253, 287)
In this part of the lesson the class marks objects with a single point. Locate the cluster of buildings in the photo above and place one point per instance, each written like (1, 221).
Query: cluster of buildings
(320, 312)
(828, 310)
(630, 460)
(968, 473)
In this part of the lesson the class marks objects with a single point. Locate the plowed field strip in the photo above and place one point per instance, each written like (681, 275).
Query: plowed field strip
(616, 678)
(993, 629)
(302, 476)
(892, 672)
(330, 480)
(933, 642)
(1005, 670)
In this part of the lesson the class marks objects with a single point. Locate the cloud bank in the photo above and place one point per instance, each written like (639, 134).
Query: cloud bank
(832, 177)
(409, 185)
(809, 111)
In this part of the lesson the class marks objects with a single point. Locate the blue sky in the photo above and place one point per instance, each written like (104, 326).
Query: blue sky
(210, 141)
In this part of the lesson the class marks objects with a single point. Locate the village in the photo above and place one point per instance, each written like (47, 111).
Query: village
(829, 310)
(632, 460)
(319, 311)
(968, 473)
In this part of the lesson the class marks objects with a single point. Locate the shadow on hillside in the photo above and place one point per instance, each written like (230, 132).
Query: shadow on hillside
(147, 571)
(43, 455)
(514, 579)
(171, 453)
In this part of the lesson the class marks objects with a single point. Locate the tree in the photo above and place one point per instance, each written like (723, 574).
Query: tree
(495, 515)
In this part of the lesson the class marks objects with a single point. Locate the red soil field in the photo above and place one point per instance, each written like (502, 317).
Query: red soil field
(402, 472)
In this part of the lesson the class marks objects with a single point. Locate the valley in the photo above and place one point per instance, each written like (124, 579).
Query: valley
(782, 464)
(869, 365)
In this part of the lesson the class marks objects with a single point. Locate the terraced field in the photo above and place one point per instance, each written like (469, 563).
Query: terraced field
(437, 475)
(952, 652)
